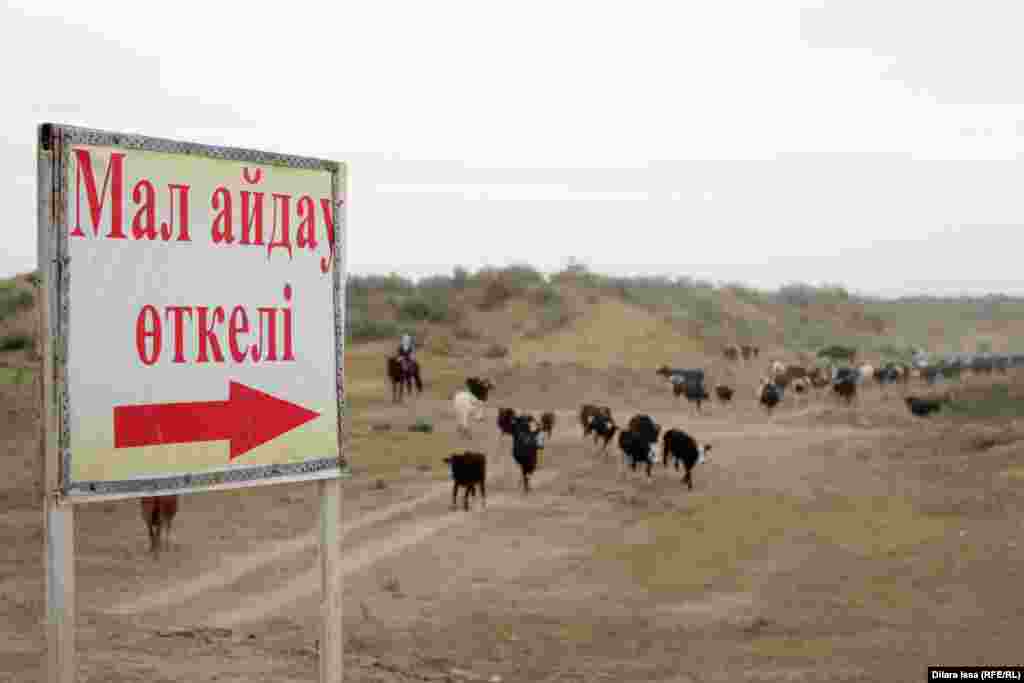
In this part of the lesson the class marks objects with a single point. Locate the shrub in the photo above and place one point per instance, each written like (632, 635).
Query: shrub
(838, 353)
(12, 301)
(367, 329)
(422, 425)
(16, 342)
(420, 307)
(997, 401)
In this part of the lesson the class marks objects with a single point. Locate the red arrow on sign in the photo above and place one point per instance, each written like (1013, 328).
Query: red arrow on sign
(249, 418)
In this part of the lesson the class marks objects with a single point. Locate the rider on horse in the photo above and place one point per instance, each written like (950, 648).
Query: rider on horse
(406, 348)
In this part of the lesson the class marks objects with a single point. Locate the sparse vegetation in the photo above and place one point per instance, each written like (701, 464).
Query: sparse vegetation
(16, 341)
(13, 300)
(996, 401)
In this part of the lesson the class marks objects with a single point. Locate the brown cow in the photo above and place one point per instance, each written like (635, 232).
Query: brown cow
(749, 351)
(158, 512)
(731, 352)
(587, 411)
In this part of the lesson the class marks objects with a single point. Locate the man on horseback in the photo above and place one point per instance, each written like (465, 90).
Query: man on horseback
(406, 349)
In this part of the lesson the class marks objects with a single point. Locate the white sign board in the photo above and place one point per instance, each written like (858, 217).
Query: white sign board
(197, 299)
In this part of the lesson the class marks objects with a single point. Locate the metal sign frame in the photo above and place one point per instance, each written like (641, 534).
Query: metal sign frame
(56, 270)
(60, 494)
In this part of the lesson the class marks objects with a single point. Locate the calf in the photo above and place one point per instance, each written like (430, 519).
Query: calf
(466, 406)
(724, 393)
(547, 423)
(694, 390)
(922, 407)
(769, 395)
(587, 411)
(158, 512)
(846, 388)
(645, 427)
(468, 469)
(480, 387)
(506, 421)
(684, 450)
(604, 428)
(688, 375)
(638, 448)
(525, 445)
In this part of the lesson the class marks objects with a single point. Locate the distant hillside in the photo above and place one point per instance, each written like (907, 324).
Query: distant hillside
(599, 321)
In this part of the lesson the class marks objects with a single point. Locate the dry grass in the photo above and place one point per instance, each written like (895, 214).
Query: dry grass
(610, 333)
(684, 552)
(16, 375)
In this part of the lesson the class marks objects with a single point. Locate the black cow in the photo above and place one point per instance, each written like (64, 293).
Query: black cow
(692, 388)
(684, 450)
(588, 411)
(637, 449)
(468, 469)
(506, 421)
(771, 395)
(887, 374)
(479, 387)
(638, 441)
(644, 426)
(688, 375)
(603, 427)
(527, 441)
(846, 388)
(922, 407)
(547, 423)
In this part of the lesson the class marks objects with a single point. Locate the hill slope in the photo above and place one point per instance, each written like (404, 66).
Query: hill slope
(601, 322)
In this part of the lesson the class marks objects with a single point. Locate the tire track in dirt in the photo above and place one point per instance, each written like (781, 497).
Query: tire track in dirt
(237, 566)
(364, 556)
(364, 553)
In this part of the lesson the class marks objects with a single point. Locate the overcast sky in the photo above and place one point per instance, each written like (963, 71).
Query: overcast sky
(873, 143)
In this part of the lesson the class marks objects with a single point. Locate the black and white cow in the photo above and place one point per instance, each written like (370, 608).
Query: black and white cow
(683, 450)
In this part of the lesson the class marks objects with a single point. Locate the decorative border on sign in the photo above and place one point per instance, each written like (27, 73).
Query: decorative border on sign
(205, 480)
(61, 138)
(73, 135)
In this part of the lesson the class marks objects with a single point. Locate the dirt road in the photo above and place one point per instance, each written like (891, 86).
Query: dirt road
(816, 546)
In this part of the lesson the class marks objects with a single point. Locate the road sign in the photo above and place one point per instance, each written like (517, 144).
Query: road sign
(195, 314)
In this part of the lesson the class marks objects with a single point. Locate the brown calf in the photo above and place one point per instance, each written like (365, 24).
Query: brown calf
(158, 512)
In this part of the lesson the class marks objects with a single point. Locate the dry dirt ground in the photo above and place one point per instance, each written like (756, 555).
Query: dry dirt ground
(823, 543)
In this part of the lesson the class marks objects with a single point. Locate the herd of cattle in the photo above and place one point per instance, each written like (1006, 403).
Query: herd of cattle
(638, 441)
(780, 379)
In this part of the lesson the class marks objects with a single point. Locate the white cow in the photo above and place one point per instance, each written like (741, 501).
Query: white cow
(866, 372)
(467, 406)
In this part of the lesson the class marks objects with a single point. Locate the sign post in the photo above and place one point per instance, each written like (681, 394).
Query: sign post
(198, 346)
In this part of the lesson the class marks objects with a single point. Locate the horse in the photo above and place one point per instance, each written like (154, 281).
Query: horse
(403, 371)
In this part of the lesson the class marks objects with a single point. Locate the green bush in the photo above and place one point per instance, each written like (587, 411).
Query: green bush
(996, 402)
(422, 425)
(838, 353)
(16, 342)
(423, 308)
(13, 300)
(366, 329)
